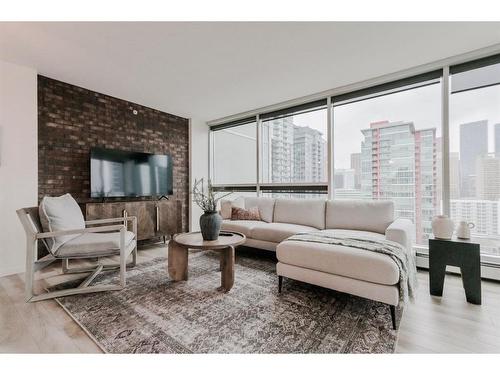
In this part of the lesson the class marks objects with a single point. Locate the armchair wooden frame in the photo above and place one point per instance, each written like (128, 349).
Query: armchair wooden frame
(31, 224)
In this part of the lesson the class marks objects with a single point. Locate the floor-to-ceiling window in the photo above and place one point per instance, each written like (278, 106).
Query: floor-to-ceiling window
(387, 146)
(233, 160)
(387, 143)
(474, 156)
(294, 152)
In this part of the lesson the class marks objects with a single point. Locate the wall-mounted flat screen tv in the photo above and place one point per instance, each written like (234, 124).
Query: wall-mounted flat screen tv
(116, 173)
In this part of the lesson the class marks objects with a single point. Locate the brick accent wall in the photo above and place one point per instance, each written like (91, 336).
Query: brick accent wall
(72, 120)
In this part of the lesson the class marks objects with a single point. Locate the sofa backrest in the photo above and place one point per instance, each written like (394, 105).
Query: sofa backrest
(310, 212)
(372, 216)
(265, 205)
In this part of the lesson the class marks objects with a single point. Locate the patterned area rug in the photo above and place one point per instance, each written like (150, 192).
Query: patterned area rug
(155, 315)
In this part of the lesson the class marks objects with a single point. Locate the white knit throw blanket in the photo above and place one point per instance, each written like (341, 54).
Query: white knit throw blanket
(401, 256)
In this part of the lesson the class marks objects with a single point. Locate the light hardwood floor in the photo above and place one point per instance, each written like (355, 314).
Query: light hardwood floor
(429, 325)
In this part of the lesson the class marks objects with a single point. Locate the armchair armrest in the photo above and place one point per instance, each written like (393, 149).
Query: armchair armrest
(133, 219)
(401, 231)
(112, 220)
(106, 228)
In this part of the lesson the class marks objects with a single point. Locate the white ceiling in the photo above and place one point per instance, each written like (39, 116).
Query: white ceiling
(210, 70)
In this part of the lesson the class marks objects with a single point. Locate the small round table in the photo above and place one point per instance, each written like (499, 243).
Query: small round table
(178, 254)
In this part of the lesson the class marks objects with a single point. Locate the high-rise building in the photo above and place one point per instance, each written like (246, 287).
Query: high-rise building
(483, 213)
(356, 166)
(454, 161)
(439, 170)
(309, 149)
(278, 155)
(488, 177)
(344, 179)
(454, 165)
(398, 163)
(292, 153)
(497, 139)
(473, 144)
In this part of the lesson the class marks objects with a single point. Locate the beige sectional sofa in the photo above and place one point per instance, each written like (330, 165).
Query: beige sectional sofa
(359, 272)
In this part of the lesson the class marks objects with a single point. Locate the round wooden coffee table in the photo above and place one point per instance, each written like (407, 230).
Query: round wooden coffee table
(178, 254)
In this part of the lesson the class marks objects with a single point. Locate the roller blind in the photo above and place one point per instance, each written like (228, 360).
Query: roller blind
(232, 124)
(295, 110)
(420, 80)
(475, 74)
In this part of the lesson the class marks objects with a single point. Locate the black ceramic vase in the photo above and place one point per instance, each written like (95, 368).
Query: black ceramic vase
(210, 223)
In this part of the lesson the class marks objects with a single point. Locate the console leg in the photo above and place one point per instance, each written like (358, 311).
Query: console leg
(393, 316)
(280, 283)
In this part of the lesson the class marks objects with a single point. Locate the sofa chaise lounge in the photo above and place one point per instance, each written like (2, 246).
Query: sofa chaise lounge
(346, 269)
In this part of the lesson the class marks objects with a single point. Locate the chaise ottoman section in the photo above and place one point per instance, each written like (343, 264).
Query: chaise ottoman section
(340, 260)
(382, 293)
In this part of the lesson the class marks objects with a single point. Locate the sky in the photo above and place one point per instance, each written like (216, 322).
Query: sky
(422, 106)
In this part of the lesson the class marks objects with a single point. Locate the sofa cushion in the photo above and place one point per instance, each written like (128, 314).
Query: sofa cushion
(57, 214)
(277, 232)
(265, 205)
(340, 260)
(226, 206)
(309, 212)
(94, 244)
(242, 226)
(366, 215)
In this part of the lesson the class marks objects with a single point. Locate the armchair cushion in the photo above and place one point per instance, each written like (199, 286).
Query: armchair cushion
(60, 213)
(94, 244)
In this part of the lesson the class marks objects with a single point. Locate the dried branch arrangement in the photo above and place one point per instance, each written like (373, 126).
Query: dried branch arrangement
(206, 198)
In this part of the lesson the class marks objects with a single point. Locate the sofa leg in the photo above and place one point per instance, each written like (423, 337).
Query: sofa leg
(280, 283)
(393, 316)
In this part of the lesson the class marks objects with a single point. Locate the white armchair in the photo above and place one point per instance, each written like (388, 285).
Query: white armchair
(99, 238)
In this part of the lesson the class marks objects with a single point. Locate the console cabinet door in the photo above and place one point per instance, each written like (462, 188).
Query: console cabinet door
(154, 219)
(169, 217)
(146, 218)
(95, 211)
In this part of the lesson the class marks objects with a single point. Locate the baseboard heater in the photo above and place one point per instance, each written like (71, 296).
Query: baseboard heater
(489, 271)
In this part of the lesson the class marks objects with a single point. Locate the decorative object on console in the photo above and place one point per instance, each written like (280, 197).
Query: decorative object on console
(442, 227)
(242, 214)
(463, 230)
(210, 221)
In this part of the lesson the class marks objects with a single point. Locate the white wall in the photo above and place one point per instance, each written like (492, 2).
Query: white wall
(18, 160)
(199, 163)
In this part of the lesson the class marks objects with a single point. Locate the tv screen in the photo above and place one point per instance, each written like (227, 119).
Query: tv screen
(116, 173)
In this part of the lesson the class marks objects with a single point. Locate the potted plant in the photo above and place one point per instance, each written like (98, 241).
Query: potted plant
(206, 199)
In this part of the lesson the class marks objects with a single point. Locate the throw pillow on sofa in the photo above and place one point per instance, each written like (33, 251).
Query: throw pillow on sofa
(60, 213)
(226, 205)
(242, 214)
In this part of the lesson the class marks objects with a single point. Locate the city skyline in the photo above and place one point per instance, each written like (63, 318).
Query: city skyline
(482, 168)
